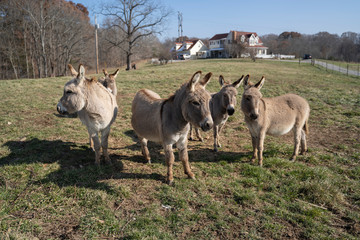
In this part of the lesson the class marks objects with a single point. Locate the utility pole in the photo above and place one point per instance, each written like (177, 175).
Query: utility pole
(96, 47)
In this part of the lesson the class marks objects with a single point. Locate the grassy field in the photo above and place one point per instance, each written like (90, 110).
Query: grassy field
(50, 188)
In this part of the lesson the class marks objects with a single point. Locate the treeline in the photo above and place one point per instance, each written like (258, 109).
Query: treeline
(322, 45)
(39, 38)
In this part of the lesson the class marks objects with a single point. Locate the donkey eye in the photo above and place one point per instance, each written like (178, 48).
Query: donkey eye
(195, 103)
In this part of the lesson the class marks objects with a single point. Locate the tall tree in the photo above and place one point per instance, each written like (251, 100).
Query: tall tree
(133, 20)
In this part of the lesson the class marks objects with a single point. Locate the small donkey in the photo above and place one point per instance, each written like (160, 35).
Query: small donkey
(274, 116)
(96, 108)
(222, 104)
(166, 121)
(109, 81)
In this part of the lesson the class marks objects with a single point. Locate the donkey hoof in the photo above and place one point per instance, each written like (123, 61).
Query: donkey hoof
(149, 161)
(192, 177)
(170, 182)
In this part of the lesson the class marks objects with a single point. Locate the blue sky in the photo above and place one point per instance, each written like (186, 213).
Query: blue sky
(205, 18)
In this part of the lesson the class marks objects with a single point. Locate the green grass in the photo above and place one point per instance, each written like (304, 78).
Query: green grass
(50, 188)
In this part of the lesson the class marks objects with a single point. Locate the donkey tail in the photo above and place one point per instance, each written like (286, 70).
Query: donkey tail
(306, 127)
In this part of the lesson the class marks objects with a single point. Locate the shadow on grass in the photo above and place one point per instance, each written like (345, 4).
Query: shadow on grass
(76, 163)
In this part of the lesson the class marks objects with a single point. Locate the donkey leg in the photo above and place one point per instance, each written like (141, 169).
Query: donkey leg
(184, 157)
(297, 139)
(260, 146)
(198, 135)
(104, 144)
(145, 150)
(218, 134)
(255, 148)
(169, 157)
(303, 142)
(95, 139)
(91, 142)
(215, 131)
(191, 133)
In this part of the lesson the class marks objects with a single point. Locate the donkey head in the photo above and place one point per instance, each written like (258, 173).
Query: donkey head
(228, 94)
(73, 99)
(110, 81)
(195, 108)
(251, 98)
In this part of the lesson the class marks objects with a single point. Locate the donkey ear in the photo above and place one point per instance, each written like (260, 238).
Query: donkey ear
(221, 80)
(74, 73)
(260, 83)
(246, 82)
(81, 74)
(105, 73)
(237, 83)
(206, 79)
(114, 74)
(193, 81)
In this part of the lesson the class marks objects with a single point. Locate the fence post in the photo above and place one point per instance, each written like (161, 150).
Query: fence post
(347, 70)
(358, 69)
(326, 66)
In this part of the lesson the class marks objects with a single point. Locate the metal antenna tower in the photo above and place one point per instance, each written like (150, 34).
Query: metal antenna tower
(180, 28)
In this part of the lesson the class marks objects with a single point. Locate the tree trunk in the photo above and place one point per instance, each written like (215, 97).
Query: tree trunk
(128, 61)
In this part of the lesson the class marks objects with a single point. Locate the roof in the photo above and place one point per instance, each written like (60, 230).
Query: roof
(246, 34)
(190, 42)
(219, 36)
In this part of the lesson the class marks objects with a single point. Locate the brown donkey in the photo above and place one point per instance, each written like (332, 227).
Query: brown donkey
(166, 121)
(274, 116)
(109, 81)
(222, 104)
(95, 105)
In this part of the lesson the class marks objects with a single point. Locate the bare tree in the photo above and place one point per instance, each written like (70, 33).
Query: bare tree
(133, 20)
(236, 48)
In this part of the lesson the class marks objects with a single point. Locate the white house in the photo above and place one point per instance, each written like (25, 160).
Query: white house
(219, 42)
(191, 49)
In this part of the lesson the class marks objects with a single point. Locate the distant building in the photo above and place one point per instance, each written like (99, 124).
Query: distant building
(219, 43)
(190, 49)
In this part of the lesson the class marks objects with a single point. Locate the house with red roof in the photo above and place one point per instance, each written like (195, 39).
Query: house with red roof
(220, 44)
(190, 49)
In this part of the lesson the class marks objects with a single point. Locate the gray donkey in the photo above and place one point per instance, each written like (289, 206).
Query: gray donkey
(274, 116)
(109, 81)
(222, 104)
(166, 121)
(95, 105)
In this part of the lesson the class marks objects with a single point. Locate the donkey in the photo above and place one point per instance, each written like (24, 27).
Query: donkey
(274, 116)
(95, 105)
(109, 81)
(222, 104)
(166, 121)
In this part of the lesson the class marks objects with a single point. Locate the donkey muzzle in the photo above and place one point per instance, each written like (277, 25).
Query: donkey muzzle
(60, 108)
(254, 116)
(230, 110)
(207, 124)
